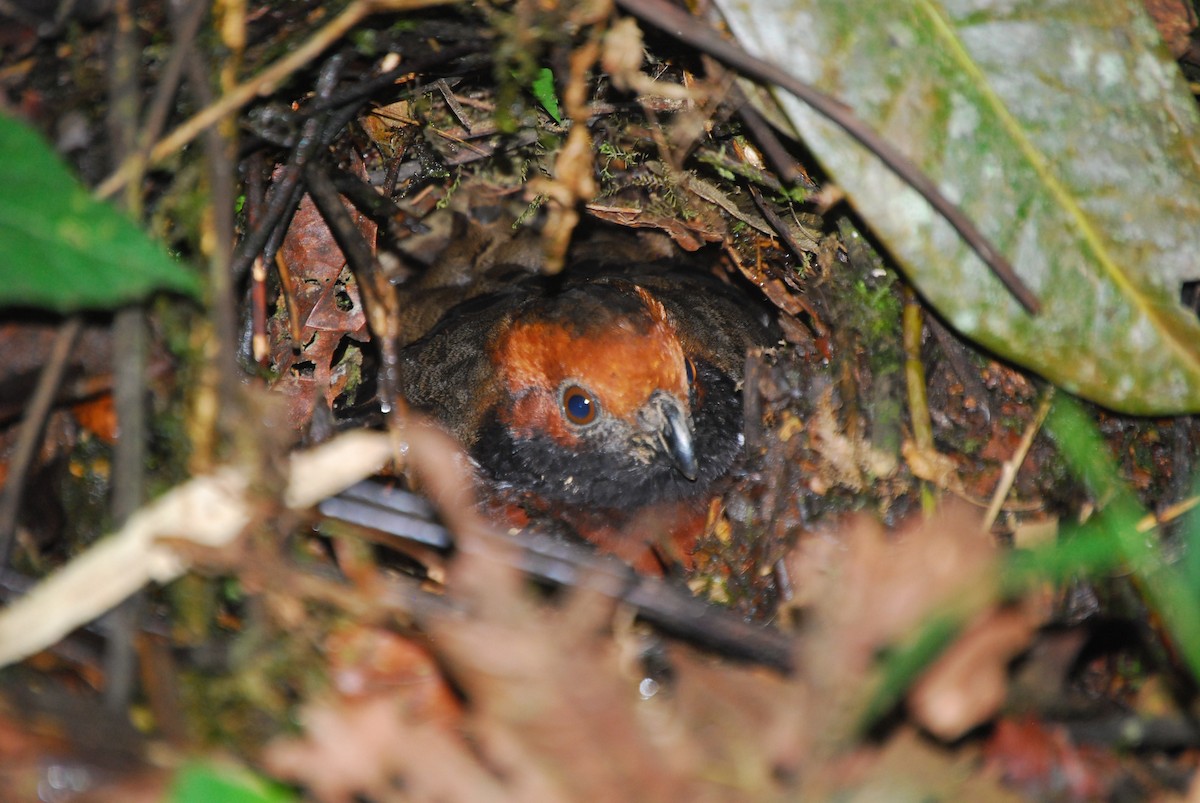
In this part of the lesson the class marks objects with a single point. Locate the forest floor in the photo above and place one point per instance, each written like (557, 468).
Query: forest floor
(901, 595)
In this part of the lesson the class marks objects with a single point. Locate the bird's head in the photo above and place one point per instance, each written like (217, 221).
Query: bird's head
(594, 384)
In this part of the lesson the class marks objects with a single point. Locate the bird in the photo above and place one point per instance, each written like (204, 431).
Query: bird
(604, 403)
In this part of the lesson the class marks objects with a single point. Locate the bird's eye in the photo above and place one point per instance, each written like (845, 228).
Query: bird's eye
(579, 406)
(691, 369)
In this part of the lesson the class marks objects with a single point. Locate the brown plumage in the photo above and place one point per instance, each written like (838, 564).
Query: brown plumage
(606, 402)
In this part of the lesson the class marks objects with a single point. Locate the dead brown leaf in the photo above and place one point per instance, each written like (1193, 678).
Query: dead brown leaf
(1040, 761)
(847, 460)
(967, 685)
(865, 589)
(906, 768)
(371, 746)
(690, 235)
(326, 305)
(932, 466)
(1175, 20)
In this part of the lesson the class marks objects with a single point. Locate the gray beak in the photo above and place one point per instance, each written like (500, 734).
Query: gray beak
(676, 436)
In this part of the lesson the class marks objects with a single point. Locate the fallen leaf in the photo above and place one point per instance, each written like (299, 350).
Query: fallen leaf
(967, 684)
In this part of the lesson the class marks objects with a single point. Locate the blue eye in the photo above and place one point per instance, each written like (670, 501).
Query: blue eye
(579, 406)
(691, 370)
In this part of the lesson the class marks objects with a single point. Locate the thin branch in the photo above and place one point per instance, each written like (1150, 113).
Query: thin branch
(220, 148)
(186, 29)
(209, 510)
(262, 84)
(777, 224)
(1008, 472)
(129, 355)
(913, 327)
(551, 559)
(31, 432)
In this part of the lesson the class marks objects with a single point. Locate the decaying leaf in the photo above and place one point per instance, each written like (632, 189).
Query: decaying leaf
(1062, 130)
(329, 310)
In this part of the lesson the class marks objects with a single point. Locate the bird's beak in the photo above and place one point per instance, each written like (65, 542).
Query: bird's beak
(676, 436)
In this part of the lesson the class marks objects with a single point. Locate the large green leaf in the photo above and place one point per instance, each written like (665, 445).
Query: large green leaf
(61, 249)
(1062, 128)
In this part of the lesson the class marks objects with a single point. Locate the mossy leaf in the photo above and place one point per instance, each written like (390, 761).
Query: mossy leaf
(1062, 129)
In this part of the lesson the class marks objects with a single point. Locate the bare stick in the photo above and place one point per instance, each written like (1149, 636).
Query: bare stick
(31, 432)
(1008, 472)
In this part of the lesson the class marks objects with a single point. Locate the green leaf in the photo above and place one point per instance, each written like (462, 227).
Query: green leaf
(543, 90)
(1167, 588)
(905, 662)
(205, 783)
(1062, 129)
(61, 249)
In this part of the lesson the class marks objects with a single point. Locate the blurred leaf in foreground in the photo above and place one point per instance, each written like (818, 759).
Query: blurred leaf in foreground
(204, 783)
(63, 250)
(1119, 532)
(1062, 129)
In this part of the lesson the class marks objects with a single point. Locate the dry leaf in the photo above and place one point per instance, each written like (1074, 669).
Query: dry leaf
(966, 686)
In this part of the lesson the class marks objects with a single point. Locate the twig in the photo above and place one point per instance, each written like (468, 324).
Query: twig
(1133, 732)
(129, 356)
(379, 298)
(210, 511)
(268, 233)
(262, 84)
(31, 432)
(553, 560)
(1172, 512)
(128, 488)
(452, 102)
(325, 120)
(764, 136)
(687, 28)
(777, 224)
(186, 28)
(914, 372)
(1008, 472)
(376, 205)
(219, 148)
(253, 175)
(958, 356)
